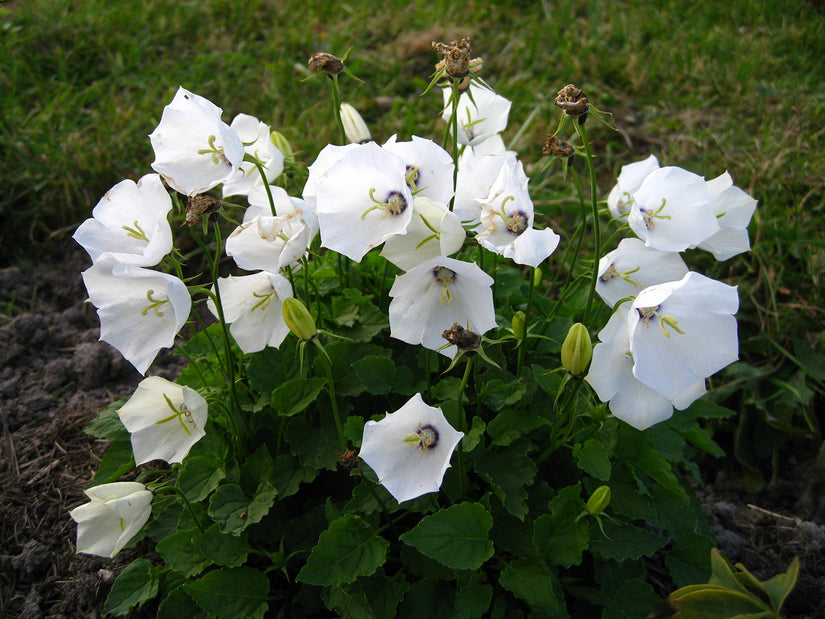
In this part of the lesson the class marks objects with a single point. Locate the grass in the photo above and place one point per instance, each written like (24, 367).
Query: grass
(701, 85)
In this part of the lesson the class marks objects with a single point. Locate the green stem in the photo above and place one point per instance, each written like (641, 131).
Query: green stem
(462, 424)
(596, 228)
(336, 104)
(523, 348)
(266, 187)
(325, 361)
(454, 125)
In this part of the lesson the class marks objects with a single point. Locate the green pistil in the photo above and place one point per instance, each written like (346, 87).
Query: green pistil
(517, 222)
(154, 305)
(444, 277)
(412, 178)
(468, 126)
(395, 204)
(136, 232)
(265, 300)
(216, 152)
(649, 216)
(612, 274)
(623, 204)
(435, 235)
(178, 413)
(665, 320)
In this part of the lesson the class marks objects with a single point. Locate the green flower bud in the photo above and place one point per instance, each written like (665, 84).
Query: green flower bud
(598, 501)
(576, 350)
(537, 274)
(298, 319)
(519, 325)
(283, 145)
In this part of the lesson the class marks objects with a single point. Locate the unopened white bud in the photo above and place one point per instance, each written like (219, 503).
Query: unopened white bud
(354, 126)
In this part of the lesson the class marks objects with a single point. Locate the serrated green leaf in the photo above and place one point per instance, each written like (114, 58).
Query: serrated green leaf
(107, 424)
(233, 511)
(225, 550)
(654, 464)
(232, 592)
(349, 548)
(473, 597)
(509, 472)
(535, 584)
(385, 593)
(136, 584)
(293, 396)
(377, 373)
(635, 598)
(474, 434)
(559, 536)
(622, 541)
(178, 604)
(272, 366)
(116, 462)
(457, 536)
(198, 476)
(512, 424)
(593, 459)
(498, 394)
(348, 601)
(288, 474)
(689, 559)
(315, 446)
(181, 554)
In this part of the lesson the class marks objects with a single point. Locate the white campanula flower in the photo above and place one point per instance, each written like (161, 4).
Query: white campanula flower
(256, 140)
(734, 209)
(682, 332)
(611, 376)
(481, 114)
(252, 307)
(141, 311)
(355, 129)
(164, 419)
(433, 231)
(672, 210)
(330, 154)
(632, 266)
(194, 149)
(507, 216)
(429, 167)
(114, 515)
(410, 449)
(630, 179)
(476, 176)
(269, 243)
(494, 145)
(129, 224)
(284, 205)
(362, 200)
(430, 298)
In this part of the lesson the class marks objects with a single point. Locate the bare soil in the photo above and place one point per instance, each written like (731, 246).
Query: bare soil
(55, 377)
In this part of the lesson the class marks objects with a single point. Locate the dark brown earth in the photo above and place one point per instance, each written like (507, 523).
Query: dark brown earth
(56, 376)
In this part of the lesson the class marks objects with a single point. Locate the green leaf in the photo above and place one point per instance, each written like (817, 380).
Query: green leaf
(178, 604)
(349, 548)
(474, 434)
(498, 394)
(532, 582)
(234, 511)
(654, 464)
(108, 425)
(559, 536)
(385, 593)
(136, 584)
(592, 458)
(715, 602)
(512, 424)
(314, 446)
(622, 541)
(635, 598)
(473, 597)
(198, 476)
(689, 559)
(232, 592)
(348, 601)
(181, 554)
(293, 396)
(116, 462)
(225, 550)
(781, 585)
(272, 366)
(377, 373)
(509, 472)
(457, 536)
(288, 474)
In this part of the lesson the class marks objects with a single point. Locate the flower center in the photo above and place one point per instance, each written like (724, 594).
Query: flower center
(646, 314)
(216, 152)
(612, 273)
(154, 304)
(394, 204)
(136, 232)
(181, 413)
(425, 438)
(623, 205)
(265, 299)
(413, 174)
(444, 277)
(650, 215)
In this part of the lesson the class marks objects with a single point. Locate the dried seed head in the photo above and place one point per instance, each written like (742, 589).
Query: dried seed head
(572, 101)
(456, 57)
(465, 339)
(557, 147)
(200, 205)
(323, 61)
(348, 460)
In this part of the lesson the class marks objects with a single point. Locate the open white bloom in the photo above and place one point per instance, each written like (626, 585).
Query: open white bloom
(630, 179)
(362, 200)
(140, 310)
(476, 176)
(284, 205)
(329, 155)
(431, 297)
(252, 307)
(433, 231)
(734, 209)
(494, 145)
(682, 332)
(355, 129)
(129, 223)
(671, 210)
(410, 449)
(115, 513)
(429, 167)
(507, 217)
(269, 243)
(632, 266)
(194, 149)
(164, 419)
(611, 376)
(480, 117)
(256, 140)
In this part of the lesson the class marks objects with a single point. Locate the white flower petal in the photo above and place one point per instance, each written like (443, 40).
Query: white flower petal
(255, 137)
(620, 198)
(432, 167)
(420, 242)
(115, 513)
(479, 118)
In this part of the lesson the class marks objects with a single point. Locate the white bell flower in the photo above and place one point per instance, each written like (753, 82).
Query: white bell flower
(734, 209)
(410, 449)
(284, 205)
(431, 297)
(194, 149)
(433, 231)
(129, 223)
(632, 266)
(682, 332)
(114, 515)
(476, 176)
(620, 198)
(671, 210)
(362, 200)
(141, 311)
(252, 307)
(429, 167)
(255, 137)
(164, 419)
(478, 118)
(329, 155)
(269, 243)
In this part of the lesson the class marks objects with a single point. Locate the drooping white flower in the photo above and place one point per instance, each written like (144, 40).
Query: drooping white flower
(164, 419)
(507, 217)
(429, 167)
(285, 205)
(476, 176)
(632, 266)
(194, 149)
(362, 200)
(630, 179)
(114, 515)
(431, 297)
(479, 117)
(252, 307)
(410, 449)
(269, 243)
(671, 210)
(734, 209)
(355, 129)
(129, 223)
(433, 231)
(682, 332)
(140, 310)
(255, 137)
(329, 155)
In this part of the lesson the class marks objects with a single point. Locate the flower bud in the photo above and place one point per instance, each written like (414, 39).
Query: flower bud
(598, 501)
(298, 319)
(283, 145)
(537, 275)
(576, 350)
(354, 126)
(328, 63)
(519, 325)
